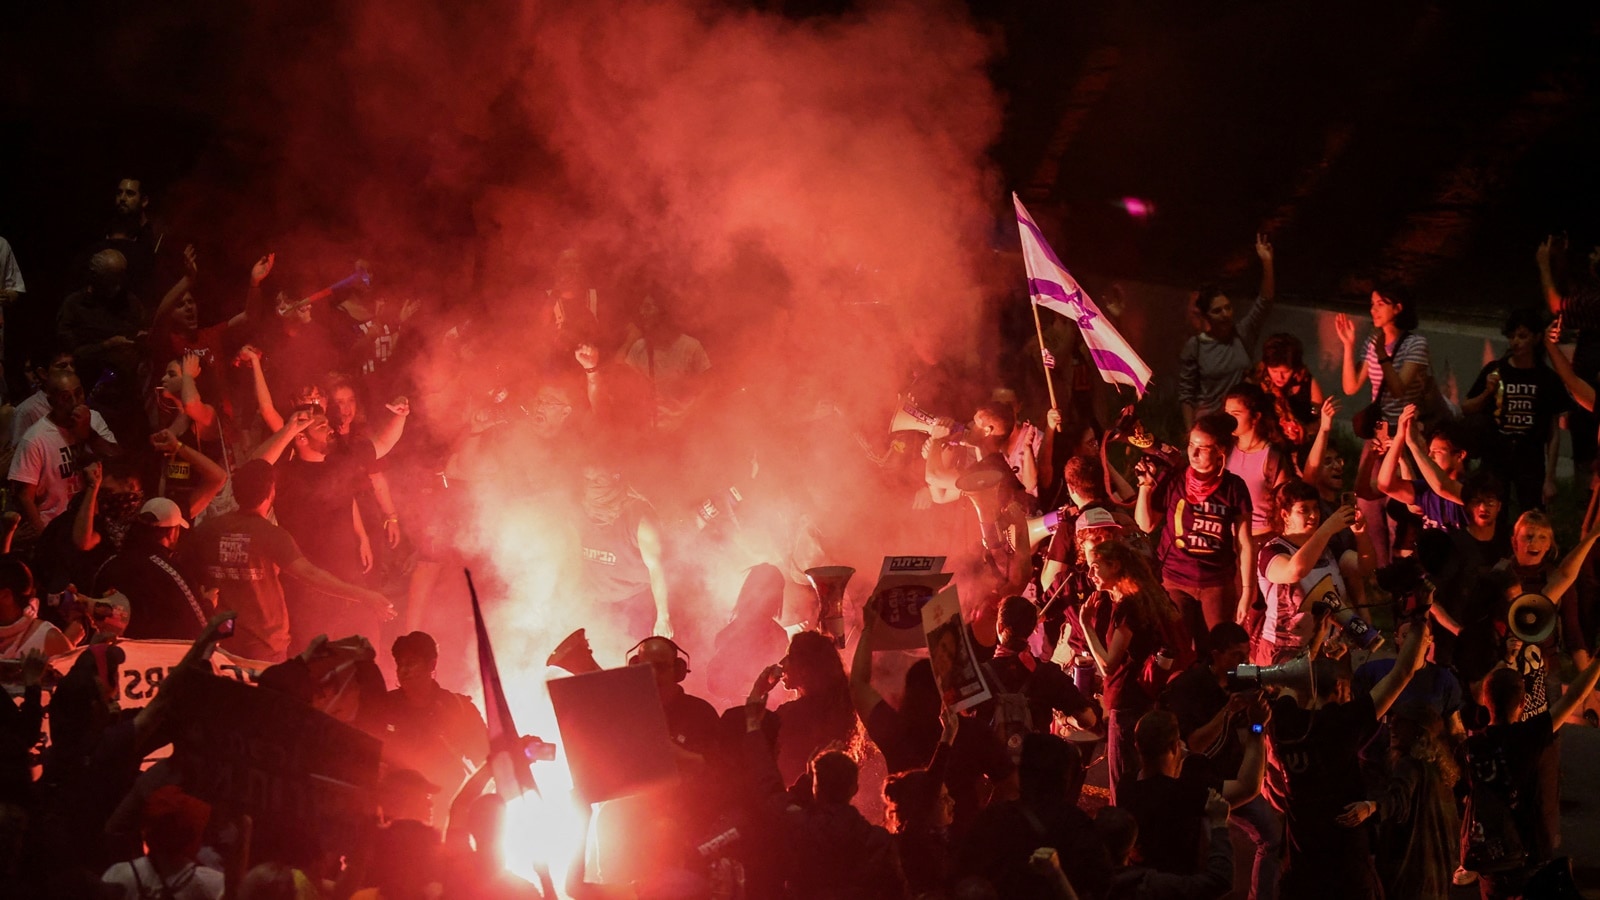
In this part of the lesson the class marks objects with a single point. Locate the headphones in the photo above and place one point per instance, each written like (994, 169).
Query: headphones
(680, 664)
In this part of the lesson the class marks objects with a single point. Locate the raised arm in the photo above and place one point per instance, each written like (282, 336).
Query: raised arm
(1269, 277)
(273, 447)
(1319, 444)
(191, 271)
(1352, 376)
(200, 413)
(1144, 512)
(1412, 652)
(84, 535)
(1547, 281)
(1389, 480)
(256, 309)
(1442, 484)
(865, 696)
(1567, 571)
(1290, 568)
(1582, 391)
(384, 439)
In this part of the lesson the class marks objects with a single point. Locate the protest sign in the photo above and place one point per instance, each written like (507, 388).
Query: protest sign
(955, 666)
(150, 662)
(904, 585)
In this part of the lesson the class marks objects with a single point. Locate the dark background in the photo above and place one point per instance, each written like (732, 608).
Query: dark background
(1430, 143)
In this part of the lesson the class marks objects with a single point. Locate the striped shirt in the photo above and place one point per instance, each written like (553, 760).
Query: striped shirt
(1411, 348)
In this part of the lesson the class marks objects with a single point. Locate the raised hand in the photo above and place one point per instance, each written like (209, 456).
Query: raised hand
(1263, 248)
(1345, 328)
(1552, 334)
(588, 356)
(1330, 408)
(1408, 419)
(190, 365)
(249, 356)
(765, 682)
(191, 262)
(165, 442)
(299, 421)
(93, 474)
(400, 406)
(1052, 419)
(1340, 519)
(262, 268)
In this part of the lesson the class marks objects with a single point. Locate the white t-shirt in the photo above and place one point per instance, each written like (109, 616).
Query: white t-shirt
(50, 460)
(139, 881)
(29, 411)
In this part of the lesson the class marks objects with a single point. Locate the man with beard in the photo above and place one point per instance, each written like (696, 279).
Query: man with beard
(622, 559)
(316, 504)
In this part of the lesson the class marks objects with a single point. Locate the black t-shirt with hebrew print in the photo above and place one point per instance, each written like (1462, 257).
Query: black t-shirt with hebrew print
(1197, 546)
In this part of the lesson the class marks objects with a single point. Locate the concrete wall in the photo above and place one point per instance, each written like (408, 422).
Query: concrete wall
(1157, 320)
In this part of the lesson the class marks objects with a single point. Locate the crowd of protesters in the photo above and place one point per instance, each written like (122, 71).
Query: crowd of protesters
(1245, 633)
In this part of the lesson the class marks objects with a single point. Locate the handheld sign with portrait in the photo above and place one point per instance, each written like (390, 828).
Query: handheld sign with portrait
(955, 666)
(904, 586)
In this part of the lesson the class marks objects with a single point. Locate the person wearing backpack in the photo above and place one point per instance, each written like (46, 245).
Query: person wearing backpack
(172, 826)
(1505, 838)
(1144, 620)
(1028, 690)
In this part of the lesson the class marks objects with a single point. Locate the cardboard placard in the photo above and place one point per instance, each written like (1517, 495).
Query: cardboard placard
(269, 755)
(614, 732)
(955, 666)
(905, 585)
(150, 662)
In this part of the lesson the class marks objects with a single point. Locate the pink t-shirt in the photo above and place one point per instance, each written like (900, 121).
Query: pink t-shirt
(1252, 467)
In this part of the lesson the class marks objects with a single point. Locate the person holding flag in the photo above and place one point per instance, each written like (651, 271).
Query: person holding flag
(1051, 286)
(1218, 358)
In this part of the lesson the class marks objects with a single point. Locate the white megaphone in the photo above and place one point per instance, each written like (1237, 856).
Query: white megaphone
(910, 417)
(1532, 618)
(1042, 526)
(829, 583)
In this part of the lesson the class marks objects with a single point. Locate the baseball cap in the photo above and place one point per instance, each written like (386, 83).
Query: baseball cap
(1097, 518)
(163, 513)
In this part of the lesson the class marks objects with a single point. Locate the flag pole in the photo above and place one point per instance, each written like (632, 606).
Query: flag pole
(1038, 329)
(508, 741)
